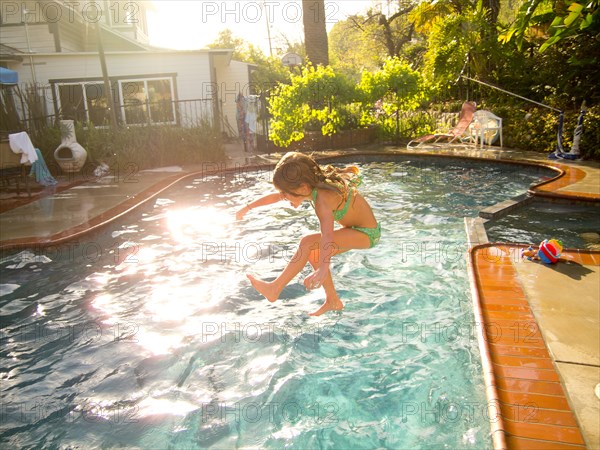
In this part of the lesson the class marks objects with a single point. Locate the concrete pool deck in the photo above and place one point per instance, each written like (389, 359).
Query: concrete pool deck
(539, 334)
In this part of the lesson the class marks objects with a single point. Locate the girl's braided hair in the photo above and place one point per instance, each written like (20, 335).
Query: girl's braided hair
(297, 168)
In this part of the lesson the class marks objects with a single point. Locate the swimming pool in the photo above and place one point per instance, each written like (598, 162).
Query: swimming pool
(149, 335)
(577, 226)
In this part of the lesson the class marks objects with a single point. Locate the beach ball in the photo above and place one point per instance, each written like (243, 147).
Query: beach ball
(550, 251)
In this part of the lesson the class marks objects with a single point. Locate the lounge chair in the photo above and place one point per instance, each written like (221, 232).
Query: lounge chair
(460, 130)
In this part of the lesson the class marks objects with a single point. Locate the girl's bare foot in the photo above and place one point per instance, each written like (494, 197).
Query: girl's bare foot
(329, 305)
(264, 287)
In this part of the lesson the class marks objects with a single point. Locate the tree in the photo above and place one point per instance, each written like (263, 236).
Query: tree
(315, 32)
(452, 42)
(394, 31)
(269, 71)
(397, 87)
(352, 51)
(577, 20)
(493, 6)
(391, 31)
(318, 98)
(556, 34)
(460, 37)
(227, 40)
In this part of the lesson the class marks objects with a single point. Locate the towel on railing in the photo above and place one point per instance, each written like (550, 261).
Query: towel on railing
(20, 143)
(41, 172)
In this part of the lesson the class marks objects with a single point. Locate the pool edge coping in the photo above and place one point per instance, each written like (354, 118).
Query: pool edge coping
(110, 215)
(497, 432)
(500, 435)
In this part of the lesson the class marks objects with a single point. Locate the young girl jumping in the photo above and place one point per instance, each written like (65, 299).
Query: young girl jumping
(334, 195)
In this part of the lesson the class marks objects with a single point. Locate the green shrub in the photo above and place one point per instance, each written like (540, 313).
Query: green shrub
(536, 129)
(395, 89)
(532, 129)
(590, 140)
(316, 100)
(321, 100)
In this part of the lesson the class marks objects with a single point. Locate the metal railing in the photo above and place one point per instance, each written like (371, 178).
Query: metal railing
(21, 116)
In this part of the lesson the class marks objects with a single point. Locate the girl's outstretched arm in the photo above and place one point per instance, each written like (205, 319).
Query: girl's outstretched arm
(265, 200)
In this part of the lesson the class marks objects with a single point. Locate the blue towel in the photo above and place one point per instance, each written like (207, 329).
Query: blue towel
(41, 172)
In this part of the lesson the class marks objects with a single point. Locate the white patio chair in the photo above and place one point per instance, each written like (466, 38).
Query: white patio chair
(486, 127)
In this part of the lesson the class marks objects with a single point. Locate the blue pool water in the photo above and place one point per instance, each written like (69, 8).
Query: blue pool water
(577, 226)
(148, 335)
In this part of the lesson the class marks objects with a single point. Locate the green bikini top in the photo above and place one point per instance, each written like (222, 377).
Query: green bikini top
(339, 213)
(352, 185)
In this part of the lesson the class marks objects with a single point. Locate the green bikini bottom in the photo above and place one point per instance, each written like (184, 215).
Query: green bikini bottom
(373, 233)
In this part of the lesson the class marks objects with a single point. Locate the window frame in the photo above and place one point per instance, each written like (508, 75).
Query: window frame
(118, 98)
(145, 80)
(86, 106)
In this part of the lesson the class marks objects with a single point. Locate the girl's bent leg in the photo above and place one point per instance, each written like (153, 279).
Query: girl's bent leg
(332, 299)
(272, 289)
(344, 239)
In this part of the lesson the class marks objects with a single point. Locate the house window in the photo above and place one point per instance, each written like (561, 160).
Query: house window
(72, 103)
(142, 101)
(147, 101)
(83, 102)
(97, 104)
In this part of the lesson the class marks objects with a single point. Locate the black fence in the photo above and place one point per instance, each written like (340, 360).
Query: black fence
(29, 111)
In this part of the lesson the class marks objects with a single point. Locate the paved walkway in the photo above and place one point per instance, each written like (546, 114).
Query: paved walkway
(56, 217)
(539, 338)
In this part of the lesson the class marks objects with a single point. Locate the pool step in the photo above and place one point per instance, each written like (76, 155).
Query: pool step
(476, 234)
(501, 209)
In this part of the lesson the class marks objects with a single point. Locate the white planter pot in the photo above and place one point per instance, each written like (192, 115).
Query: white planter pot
(69, 155)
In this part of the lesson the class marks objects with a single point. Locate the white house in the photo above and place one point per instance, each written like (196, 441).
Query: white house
(54, 46)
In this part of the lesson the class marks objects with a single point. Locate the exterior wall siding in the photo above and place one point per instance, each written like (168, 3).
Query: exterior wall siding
(189, 69)
(77, 25)
(72, 39)
(40, 38)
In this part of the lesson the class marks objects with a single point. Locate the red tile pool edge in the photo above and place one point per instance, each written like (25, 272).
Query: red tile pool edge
(568, 175)
(523, 388)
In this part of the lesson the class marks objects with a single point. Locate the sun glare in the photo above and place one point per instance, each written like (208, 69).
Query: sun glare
(158, 343)
(188, 25)
(170, 27)
(189, 225)
(153, 406)
(159, 305)
(106, 304)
